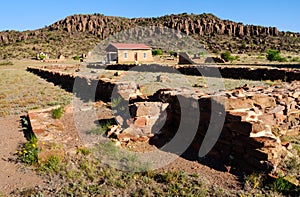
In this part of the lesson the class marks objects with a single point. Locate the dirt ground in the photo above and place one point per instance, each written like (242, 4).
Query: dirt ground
(16, 176)
(12, 175)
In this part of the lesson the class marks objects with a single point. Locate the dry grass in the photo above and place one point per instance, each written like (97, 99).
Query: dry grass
(148, 83)
(21, 91)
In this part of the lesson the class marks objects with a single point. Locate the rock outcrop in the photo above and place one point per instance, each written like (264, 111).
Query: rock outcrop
(204, 24)
(208, 29)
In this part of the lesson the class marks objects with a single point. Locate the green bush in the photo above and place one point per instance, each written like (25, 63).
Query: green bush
(281, 185)
(42, 57)
(104, 127)
(157, 52)
(225, 56)
(274, 55)
(283, 59)
(57, 113)
(51, 165)
(76, 57)
(295, 59)
(29, 152)
(202, 53)
(228, 57)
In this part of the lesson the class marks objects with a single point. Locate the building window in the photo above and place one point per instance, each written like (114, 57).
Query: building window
(145, 55)
(125, 55)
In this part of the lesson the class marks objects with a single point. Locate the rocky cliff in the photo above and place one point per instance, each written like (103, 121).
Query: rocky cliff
(205, 24)
(215, 34)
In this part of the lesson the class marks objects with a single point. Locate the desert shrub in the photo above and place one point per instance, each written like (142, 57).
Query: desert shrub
(157, 52)
(202, 53)
(77, 57)
(115, 102)
(282, 59)
(104, 127)
(57, 113)
(295, 59)
(6, 63)
(42, 56)
(84, 151)
(260, 57)
(281, 185)
(225, 56)
(274, 55)
(228, 57)
(51, 165)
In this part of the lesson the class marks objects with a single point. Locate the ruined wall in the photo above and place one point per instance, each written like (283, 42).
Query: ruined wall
(84, 87)
(254, 122)
(251, 72)
(255, 118)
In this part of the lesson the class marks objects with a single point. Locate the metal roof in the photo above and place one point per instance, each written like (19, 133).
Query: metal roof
(130, 46)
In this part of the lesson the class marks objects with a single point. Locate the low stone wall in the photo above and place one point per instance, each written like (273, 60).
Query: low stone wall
(255, 118)
(252, 72)
(283, 74)
(84, 87)
(254, 122)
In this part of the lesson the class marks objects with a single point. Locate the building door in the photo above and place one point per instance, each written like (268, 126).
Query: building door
(135, 56)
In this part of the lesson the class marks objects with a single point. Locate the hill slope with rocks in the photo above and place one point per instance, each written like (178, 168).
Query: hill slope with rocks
(79, 34)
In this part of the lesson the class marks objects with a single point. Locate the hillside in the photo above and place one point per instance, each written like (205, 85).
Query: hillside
(79, 34)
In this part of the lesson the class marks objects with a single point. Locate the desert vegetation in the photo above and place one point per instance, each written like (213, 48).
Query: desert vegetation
(84, 173)
(228, 57)
(274, 55)
(24, 91)
(157, 52)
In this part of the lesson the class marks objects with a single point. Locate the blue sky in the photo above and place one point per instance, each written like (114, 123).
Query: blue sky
(34, 14)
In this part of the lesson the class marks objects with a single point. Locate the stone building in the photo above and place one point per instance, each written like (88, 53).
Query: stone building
(122, 53)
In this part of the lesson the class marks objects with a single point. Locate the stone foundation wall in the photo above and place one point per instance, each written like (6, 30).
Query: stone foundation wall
(86, 88)
(254, 122)
(255, 118)
(239, 72)
(286, 73)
